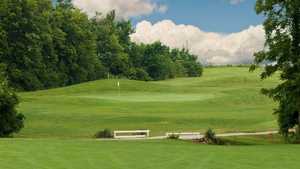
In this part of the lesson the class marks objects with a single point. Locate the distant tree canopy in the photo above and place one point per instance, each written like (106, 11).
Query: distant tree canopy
(45, 46)
(282, 54)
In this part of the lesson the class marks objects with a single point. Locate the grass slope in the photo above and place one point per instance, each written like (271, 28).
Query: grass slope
(225, 99)
(92, 154)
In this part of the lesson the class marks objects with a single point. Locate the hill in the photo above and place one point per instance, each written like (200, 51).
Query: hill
(225, 99)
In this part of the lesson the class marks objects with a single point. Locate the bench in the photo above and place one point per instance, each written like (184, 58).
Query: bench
(185, 135)
(131, 134)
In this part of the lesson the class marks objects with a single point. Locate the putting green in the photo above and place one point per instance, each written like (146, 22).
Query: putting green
(150, 97)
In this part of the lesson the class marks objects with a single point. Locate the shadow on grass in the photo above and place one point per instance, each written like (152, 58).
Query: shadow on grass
(247, 140)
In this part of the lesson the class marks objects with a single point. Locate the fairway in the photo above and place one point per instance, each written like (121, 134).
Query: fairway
(93, 154)
(226, 99)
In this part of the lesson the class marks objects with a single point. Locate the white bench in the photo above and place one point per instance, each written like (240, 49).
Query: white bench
(185, 135)
(131, 134)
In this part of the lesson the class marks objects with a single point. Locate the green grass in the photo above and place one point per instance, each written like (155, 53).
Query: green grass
(93, 154)
(225, 99)
(60, 123)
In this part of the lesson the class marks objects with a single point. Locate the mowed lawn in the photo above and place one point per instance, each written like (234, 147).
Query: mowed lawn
(60, 123)
(225, 99)
(167, 154)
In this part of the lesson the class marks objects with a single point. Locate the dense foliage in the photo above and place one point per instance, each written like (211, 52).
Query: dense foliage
(10, 120)
(282, 54)
(45, 45)
(106, 133)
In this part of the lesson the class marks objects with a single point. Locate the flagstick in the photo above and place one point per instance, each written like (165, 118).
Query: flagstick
(119, 89)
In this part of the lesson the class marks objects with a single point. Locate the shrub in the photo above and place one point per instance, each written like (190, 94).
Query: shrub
(180, 70)
(173, 137)
(10, 120)
(194, 69)
(138, 74)
(293, 138)
(211, 138)
(106, 133)
(141, 74)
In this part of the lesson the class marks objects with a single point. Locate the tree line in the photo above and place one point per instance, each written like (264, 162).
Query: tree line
(45, 45)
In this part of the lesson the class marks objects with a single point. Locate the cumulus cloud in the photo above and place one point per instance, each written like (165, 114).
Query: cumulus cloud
(210, 47)
(124, 8)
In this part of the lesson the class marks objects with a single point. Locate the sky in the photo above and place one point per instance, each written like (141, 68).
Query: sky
(210, 15)
(217, 31)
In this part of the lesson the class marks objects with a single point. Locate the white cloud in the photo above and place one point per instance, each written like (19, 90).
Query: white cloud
(211, 48)
(234, 2)
(162, 8)
(124, 8)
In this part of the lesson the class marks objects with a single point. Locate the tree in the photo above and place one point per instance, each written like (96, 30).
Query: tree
(47, 45)
(157, 62)
(10, 120)
(75, 45)
(109, 47)
(187, 64)
(25, 27)
(124, 30)
(282, 54)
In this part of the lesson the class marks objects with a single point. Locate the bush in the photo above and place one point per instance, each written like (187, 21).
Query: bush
(293, 138)
(10, 120)
(106, 133)
(141, 74)
(138, 74)
(173, 137)
(180, 70)
(194, 69)
(211, 138)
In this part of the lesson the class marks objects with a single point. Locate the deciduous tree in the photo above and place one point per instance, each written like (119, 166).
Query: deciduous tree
(282, 54)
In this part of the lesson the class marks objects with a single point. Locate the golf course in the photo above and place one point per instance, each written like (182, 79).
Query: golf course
(149, 84)
(60, 125)
(224, 99)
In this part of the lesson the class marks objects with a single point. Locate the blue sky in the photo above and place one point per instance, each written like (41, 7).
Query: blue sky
(209, 15)
(217, 31)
